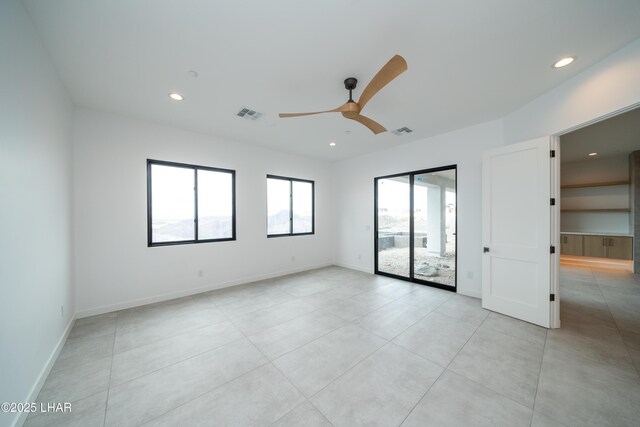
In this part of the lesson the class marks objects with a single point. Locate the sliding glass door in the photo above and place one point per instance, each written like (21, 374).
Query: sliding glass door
(393, 225)
(415, 226)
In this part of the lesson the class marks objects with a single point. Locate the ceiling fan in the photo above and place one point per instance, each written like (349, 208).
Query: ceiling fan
(351, 109)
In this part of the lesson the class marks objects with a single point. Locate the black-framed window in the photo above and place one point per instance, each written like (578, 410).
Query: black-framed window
(290, 206)
(189, 203)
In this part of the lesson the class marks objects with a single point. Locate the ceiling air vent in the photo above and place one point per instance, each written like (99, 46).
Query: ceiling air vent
(248, 113)
(401, 131)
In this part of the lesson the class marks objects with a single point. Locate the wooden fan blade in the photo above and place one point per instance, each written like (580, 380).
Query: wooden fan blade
(392, 69)
(283, 115)
(374, 126)
(342, 108)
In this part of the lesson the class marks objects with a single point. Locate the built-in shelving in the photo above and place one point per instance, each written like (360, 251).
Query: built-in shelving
(595, 184)
(597, 210)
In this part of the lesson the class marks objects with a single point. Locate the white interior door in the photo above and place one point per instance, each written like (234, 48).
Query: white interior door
(516, 231)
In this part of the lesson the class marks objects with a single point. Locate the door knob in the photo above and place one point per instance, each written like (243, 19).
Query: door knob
(485, 250)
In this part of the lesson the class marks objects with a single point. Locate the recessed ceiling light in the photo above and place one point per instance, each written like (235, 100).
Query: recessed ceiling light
(176, 96)
(564, 62)
(332, 144)
(593, 154)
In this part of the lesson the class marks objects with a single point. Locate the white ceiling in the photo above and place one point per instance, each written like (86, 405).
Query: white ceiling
(469, 61)
(615, 136)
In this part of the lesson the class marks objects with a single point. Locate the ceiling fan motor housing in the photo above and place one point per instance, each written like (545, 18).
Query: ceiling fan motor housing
(350, 83)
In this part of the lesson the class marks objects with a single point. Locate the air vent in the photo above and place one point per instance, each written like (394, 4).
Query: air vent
(248, 113)
(401, 131)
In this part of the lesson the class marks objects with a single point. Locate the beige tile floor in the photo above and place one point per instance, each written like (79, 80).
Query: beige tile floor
(338, 347)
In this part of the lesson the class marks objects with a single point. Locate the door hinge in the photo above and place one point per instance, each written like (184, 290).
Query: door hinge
(553, 249)
(553, 201)
(552, 297)
(553, 153)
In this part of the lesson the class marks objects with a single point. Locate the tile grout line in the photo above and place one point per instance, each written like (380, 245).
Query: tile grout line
(624, 342)
(433, 310)
(535, 396)
(321, 413)
(106, 403)
(443, 371)
(474, 381)
(499, 392)
(468, 379)
(446, 367)
(265, 356)
(172, 364)
(202, 394)
(308, 342)
(467, 342)
(168, 336)
(349, 323)
(45, 414)
(305, 401)
(278, 369)
(270, 306)
(423, 396)
(357, 363)
(176, 362)
(221, 385)
(352, 323)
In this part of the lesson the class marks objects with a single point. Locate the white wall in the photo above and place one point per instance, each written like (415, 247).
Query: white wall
(114, 266)
(595, 170)
(353, 181)
(595, 222)
(609, 86)
(35, 217)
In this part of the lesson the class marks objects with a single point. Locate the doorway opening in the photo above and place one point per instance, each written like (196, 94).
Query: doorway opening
(415, 222)
(598, 173)
(598, 223)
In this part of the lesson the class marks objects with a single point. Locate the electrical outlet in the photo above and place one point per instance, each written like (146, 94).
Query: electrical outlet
(293, 258)
(367, 228)
(359, 256)
(469, 274)
(200, 273)
(62, 311)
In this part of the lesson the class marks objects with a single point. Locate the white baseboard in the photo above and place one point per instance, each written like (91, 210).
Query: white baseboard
(353, 267)
(192, 291)
(44, 373)
(470, 293)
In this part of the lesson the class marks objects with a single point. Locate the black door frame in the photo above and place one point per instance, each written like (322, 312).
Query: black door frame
(411, 277)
